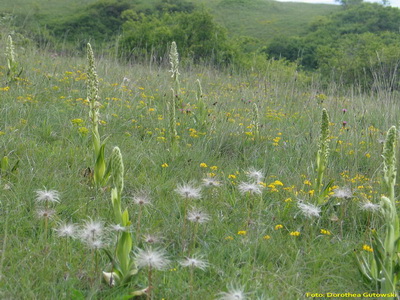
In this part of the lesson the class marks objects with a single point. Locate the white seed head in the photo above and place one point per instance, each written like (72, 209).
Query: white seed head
(344, 193)
(188, 191)
(142, 199)
(91, 231)
(369, 206)
(255, 175)
(47, 196)
(151, 239)
(155, 259)
(197, 216)
(232, 294)
(211, 182)
(45, 213)
(66, 230)
(118, 228)
(194, 262)
(309, 210)
(250, 188)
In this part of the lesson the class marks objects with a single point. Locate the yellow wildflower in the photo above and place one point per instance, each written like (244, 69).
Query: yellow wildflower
(326, 232)
(279, 226)
(294, 233)
(242, 232)
(367, 248)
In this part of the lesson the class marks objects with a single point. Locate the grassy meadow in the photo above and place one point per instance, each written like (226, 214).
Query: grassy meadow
(248, 141)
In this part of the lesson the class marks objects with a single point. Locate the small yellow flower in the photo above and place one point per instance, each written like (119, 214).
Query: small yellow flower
(266, 237)
(229, 238)
(326, 232)
(367, 248)
(311, 192)
(151, 109)
(367, 155)
(288, 200)
(294, 233)
(242, 232)
(214, 168)
(307, 182)
(164, 165)
(203, 165)
(231, 176)
(277, 182)
(77, 121)
(279, 226)
(83, 130)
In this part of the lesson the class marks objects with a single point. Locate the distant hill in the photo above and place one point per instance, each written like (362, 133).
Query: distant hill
(261, 19)
(266, 19)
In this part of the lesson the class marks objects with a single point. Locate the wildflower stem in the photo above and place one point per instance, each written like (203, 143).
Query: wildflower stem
(194, 236)
(138, 224)
(191, 282)
(185, 208)
(150, 288)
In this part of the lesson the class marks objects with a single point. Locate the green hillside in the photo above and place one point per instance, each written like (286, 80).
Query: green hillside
(265, 19)
(262, 19)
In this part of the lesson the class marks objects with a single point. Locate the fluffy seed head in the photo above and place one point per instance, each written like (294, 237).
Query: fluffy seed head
(309, 210)
(211, 182)
(45, 213)
(142, 199)
(255, 175)
(155, 259)
(118, 228)
(369, 206)
(197, 216)
(194, 262)
(66, 230)
(151, 239)
(250, 188)
(47, 196)
(91, 231)
(343, 193)
(232, 294)
(188, 191)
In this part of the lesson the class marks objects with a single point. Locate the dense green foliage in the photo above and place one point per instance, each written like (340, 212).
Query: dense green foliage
(98, 21)
(153, 33)
(358, 44)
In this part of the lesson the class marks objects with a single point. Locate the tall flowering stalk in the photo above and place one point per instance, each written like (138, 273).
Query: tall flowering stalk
(383, 267)
(322, 157)
(202, 112)
(256, 121)
(100, 175)
(124, 267)
(12, 64)
(174, 61)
